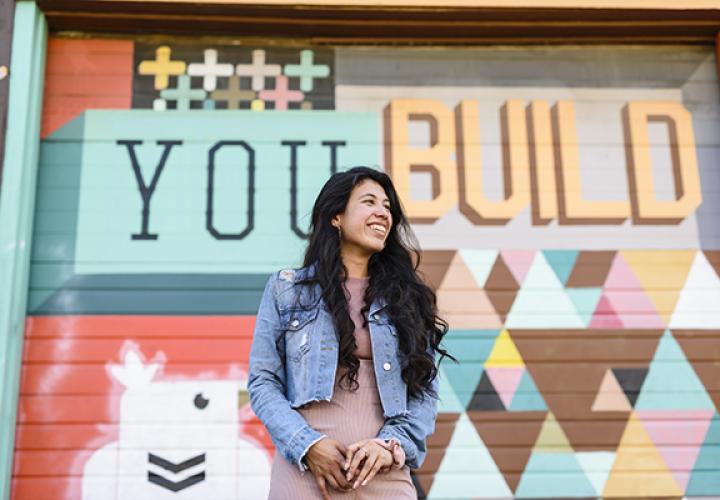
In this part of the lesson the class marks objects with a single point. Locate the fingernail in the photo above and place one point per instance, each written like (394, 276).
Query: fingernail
(355, 485)
(348, 476)
(364, 482)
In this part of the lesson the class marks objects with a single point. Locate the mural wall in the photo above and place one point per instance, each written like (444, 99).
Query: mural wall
(566, 200)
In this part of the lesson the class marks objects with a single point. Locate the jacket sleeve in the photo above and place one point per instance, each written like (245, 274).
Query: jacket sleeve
(288, 430)
(412, 428)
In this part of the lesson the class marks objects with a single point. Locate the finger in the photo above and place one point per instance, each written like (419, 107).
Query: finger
(357, 459)
(369, 463)
(339, 477)
(373, 472)
(329, 479)
(323, 489)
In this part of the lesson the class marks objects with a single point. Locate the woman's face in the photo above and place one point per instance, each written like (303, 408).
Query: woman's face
(366, 222)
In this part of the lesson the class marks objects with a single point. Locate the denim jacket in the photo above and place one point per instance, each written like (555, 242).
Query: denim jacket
(293, 359)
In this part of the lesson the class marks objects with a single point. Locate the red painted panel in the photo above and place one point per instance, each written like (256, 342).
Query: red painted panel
(85, 74)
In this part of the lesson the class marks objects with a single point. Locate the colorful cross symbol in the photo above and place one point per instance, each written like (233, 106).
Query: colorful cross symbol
(258, 70)
(162, 67)
(234, 95)
(183, 94)
(281, 95)
(210, 70)
(306, 70)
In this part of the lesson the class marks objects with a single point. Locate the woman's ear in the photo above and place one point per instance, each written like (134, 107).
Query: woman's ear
(336, 221)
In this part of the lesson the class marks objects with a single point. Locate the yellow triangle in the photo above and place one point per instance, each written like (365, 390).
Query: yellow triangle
(504, 352)
(662, 273)
(639, 470)
(552, 438)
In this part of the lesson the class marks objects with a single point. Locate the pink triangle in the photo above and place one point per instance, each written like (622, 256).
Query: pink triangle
(678, 436)
(505, 379)
(626, 295)
(519, 262)
(605, 316)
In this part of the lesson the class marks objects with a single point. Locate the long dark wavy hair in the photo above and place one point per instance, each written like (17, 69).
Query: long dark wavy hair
(411, 304)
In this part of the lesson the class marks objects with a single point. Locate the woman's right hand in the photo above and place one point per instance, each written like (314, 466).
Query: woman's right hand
(325, 459)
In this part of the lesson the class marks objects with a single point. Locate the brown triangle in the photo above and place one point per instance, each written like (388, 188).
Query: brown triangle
(433, 266)
(713, 257)
(510, 438)
(501, 288)
(591, 268)
(702, 349)
(437, 443)
(568, 376)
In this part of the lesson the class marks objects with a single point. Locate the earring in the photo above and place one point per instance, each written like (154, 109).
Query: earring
(339, 233)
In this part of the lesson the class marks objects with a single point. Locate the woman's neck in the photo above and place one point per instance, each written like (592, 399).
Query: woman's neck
(356, 265)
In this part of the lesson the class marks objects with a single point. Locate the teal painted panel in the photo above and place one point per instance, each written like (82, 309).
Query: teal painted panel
(251, 213)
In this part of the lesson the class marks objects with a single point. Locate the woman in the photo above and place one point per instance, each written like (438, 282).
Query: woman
(342, 364)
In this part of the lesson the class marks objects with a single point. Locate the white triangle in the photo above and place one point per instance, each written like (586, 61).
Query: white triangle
(699, 303)
(597, 466)
(480, 263)
(542, 301)
(467, 469)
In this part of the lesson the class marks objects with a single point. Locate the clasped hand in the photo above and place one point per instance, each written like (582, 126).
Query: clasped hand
(346, 468)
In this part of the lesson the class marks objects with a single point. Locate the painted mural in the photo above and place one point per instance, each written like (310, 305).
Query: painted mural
(565, 200)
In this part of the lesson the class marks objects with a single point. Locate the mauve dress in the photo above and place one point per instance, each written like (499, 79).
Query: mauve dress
(348, 417)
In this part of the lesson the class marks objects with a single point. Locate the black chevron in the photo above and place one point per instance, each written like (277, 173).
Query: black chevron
(175, 487)
(165, 464)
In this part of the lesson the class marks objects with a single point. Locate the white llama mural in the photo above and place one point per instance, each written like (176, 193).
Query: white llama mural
(177, 439)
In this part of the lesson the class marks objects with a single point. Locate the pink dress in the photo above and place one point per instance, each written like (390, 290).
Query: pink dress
(348, 417)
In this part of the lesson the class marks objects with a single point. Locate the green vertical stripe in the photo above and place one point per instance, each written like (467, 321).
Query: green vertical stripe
(17, 201)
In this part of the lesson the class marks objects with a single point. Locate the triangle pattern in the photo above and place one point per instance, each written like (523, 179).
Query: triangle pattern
(509, 438)
(631, 381)
(639, 471)
(628, 298)
(461, 302)
(485, 397)
(527, 396)
(552, 452)
(504, 353)
(596, 465)
(480, 263)
(662, 282)
(585, 301)
(561, 262)
(448, 401)
(605, 316)
(519, 262)
(542, 301)
(705, 479)
(471, 348)
(501, 288)
(697, 306)
(610, 396)
(671, 383)
(438, 441)
(505, 379)
(677, 435)
(552, 439)
(467, 469)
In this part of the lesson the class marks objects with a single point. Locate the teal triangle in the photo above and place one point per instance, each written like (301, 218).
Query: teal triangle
(554, 475)
(527, 397)
(562, 262)
(471, 348)
(705, 478)
(449, 402)
(671, 382)
(585, 300)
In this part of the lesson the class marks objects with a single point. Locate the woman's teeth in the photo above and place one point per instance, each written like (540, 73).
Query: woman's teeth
(378, 229)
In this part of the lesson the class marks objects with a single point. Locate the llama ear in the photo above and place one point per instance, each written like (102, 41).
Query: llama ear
(133, 373)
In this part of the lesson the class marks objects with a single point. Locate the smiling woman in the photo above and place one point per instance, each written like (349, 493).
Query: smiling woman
(342, 366)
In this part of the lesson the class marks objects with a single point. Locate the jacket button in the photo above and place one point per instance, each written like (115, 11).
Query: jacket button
(387, 366)
(295, 322)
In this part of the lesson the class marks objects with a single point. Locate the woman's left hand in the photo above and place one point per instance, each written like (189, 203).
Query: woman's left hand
(374, 455)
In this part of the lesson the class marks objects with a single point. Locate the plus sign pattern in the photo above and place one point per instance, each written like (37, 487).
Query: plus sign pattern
(183, 77)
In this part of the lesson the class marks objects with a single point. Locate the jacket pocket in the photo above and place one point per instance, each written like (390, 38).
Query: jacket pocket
(298, 325)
